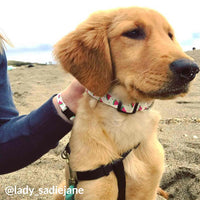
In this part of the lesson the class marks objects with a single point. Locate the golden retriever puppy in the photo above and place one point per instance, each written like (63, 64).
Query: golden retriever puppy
(130, 55)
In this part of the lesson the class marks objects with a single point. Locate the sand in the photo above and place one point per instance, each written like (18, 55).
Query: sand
(179, 133)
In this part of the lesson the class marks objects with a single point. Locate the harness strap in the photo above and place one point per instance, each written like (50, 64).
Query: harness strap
(101, 171)
(118, 169)
(116, 166)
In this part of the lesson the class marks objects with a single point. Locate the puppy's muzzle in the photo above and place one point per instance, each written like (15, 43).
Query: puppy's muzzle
(184, 70)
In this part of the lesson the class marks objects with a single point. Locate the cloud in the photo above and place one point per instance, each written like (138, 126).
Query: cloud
(38, 24)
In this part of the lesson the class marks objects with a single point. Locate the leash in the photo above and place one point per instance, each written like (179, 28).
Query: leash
(72, 180)
(116, 166)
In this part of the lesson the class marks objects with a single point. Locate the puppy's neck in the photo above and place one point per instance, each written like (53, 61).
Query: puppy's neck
(128, 108)
(124, 131)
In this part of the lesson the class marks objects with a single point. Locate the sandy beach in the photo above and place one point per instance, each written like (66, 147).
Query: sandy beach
(179, 133)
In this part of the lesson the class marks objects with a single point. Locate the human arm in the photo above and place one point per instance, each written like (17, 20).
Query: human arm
(28, 137)
(23, 139)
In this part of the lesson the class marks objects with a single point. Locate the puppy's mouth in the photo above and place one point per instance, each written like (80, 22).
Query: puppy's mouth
(169, 92)
(166, 92)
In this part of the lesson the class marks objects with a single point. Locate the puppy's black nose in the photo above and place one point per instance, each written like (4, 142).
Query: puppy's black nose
(184, 69)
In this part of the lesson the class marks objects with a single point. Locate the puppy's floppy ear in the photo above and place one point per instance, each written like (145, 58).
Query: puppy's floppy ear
(85, 54)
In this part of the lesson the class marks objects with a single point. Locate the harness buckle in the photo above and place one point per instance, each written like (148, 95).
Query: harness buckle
(64, 154)
(107, 169)
(119, 107)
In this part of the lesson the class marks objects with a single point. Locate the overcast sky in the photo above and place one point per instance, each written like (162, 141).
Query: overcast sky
(33, 24)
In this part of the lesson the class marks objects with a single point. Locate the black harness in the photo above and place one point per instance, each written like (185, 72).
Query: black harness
(116, 166)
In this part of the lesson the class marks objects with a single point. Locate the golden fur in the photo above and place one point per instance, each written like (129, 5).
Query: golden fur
(140, 73)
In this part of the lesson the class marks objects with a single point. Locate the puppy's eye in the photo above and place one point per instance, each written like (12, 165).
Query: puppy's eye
(137, 34)
(171, 36)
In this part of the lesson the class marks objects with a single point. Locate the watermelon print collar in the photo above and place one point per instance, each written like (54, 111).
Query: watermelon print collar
(117, 104)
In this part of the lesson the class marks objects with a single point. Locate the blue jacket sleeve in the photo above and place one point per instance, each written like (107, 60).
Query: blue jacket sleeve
(24, 139)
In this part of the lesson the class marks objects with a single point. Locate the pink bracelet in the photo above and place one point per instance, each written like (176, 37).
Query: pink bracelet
(61, 102)
(65, 110)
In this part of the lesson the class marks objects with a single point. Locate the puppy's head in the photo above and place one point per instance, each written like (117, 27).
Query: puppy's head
(131, 48)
